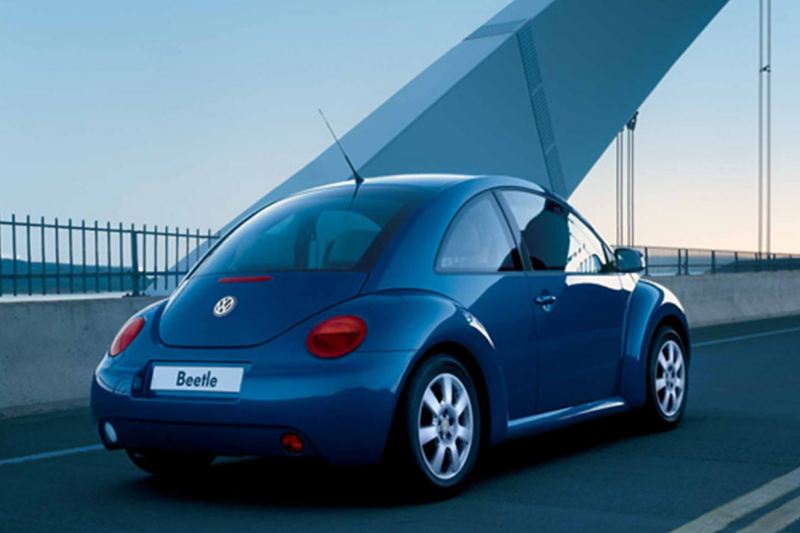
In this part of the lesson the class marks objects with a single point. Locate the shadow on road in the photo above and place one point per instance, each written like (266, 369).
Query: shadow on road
(526, 454)
(267, 482)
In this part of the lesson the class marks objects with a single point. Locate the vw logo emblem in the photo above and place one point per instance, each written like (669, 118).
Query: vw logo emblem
(224, 306)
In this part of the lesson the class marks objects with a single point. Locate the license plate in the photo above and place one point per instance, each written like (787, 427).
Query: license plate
(197, 378)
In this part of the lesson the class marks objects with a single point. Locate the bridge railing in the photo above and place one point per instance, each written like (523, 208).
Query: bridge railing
(40, 257)
(664, 261)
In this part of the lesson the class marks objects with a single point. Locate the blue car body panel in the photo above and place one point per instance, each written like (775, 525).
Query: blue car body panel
(535, 369)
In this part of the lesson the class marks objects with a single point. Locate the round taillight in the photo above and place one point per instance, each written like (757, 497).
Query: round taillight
(336, 336)
(292, 443)
(126, 335)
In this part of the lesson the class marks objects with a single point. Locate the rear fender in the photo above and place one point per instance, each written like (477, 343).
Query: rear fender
(425, 322)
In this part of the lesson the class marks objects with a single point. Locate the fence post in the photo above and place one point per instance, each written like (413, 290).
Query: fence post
(134, 262)
(58, 260)
(14, 269)
(713, 261)
(686, 261)
(28, 251)
(71, 257)
(43, 258)
(1, 255)
(646, 262)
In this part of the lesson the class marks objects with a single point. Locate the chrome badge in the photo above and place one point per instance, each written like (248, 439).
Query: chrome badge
(224, 306)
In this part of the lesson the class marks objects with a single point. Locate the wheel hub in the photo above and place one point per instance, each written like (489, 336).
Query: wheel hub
(446, 424)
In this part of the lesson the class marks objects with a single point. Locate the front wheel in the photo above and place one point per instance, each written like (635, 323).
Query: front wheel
(668, 379)
(170, 464)
(440, 427)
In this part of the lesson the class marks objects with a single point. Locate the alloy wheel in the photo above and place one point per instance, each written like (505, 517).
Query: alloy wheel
(445, 426)
(670, 378)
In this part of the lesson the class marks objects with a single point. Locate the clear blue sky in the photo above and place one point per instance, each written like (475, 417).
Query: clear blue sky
(184, 113)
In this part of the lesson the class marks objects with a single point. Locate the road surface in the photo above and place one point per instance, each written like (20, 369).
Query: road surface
(734, 462)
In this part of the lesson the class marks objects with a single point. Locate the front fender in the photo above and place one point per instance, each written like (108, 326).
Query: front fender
(649, 306)
(423, 322)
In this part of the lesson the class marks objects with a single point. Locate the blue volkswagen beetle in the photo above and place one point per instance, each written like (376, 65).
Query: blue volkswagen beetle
(419, 318)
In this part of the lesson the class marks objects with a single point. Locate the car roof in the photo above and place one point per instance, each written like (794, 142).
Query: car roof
(435, 181)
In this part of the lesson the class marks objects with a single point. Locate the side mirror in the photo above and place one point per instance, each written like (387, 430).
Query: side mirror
(629, 260)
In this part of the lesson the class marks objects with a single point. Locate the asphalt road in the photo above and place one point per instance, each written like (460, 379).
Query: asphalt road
(741, 431)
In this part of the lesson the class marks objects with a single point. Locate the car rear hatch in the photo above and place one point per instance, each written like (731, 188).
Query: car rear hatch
(263, 307)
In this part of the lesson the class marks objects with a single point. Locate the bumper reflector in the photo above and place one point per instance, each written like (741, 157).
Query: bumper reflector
(109, 433)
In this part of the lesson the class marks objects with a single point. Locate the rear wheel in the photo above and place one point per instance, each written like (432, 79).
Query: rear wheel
(668, 379)
(440, 427)
(170, 464)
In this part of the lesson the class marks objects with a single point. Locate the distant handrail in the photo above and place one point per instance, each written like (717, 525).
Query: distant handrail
(684, 261)
(41, 257)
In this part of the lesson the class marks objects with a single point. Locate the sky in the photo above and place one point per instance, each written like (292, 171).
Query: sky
(184, 113)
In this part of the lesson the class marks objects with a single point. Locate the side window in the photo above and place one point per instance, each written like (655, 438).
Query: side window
(543, 228)
(586, 252)
(478, 240)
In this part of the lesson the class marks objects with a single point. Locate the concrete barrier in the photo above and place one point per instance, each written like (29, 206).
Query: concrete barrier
(49, 349)
(725, 298)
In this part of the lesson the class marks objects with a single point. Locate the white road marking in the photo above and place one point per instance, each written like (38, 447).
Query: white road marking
(777, 520)
(724, 515)
(50, 455)
(746, 337)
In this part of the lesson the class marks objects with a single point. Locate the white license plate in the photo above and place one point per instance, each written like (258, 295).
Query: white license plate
(197, 378)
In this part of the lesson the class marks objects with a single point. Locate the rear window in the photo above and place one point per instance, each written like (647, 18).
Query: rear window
(325, 230)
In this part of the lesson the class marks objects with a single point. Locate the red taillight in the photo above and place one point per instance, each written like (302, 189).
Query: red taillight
(244, 279)
(336, 336)
(292, 443)
(126, 335)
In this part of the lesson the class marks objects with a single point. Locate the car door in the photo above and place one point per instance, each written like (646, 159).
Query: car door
(479, 266)
(578, 301)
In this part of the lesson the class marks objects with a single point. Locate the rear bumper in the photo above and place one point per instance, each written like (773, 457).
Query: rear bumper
(343, 412)
(216, 439)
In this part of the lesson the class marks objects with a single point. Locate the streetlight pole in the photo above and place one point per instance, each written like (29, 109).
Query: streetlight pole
(765, 126)
(620, 217)
(769, 126)
(631, 127)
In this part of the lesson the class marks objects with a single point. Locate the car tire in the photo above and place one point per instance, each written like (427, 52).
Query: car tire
(170, 464)
(667, 380)
(438, 432)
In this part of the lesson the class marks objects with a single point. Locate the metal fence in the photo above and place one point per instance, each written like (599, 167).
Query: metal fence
(40, 257)
(662, 261)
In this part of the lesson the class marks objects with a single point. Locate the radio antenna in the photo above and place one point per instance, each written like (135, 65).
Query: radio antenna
(356, 175)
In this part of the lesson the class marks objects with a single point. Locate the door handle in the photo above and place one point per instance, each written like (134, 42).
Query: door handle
(546, 299)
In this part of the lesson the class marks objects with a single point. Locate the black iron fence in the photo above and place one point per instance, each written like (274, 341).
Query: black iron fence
(56, 257)
(38, 257)
(663, 261)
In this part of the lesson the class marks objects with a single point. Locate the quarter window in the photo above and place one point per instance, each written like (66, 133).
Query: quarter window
(478, 240)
